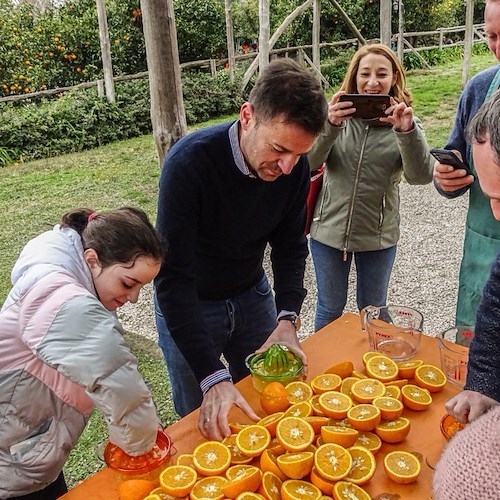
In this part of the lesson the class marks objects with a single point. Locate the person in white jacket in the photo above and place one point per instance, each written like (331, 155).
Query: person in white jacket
(62, 347)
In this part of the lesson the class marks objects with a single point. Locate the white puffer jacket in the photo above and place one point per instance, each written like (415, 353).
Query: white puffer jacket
(62, 353)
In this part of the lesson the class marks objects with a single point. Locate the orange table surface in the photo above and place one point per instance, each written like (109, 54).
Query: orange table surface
(339, 341)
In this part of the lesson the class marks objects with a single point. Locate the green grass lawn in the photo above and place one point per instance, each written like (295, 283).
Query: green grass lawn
(34, 195)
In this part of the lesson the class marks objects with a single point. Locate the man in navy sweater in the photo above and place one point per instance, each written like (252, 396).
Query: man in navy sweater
(482, 388)
(226, 192)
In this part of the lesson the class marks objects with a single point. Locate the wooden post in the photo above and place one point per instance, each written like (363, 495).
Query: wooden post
(468, 40)
(100, 88)
(213, 67)
(105, 50)
(316, 57)
(230, 39)
(264, 32)
(385, 22)
(165, 86)
(401, 29)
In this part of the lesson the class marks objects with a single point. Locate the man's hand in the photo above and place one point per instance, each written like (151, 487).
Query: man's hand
(285, 335)
(449, 178)
(469, 405)
(217, 402)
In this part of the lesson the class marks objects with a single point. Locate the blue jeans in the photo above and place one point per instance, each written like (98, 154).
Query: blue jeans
(238, 326)
(373, 271)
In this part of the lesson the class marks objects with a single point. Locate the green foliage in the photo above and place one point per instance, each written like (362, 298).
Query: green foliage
(81, 120)
(201, 29)
(7, 156)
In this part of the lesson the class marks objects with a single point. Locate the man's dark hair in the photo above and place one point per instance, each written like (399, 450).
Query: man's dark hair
(486, 125)
(284, 88)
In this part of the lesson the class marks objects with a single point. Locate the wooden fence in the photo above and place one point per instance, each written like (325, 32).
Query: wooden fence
(414, 42)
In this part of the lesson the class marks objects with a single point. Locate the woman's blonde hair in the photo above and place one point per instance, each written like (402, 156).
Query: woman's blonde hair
(398, 90)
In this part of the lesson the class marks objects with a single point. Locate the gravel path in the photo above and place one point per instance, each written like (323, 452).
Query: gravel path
(425, 273)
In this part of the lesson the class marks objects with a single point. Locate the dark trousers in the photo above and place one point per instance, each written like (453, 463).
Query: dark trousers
(50, 492)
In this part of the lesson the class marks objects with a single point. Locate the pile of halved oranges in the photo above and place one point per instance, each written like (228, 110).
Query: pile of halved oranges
(318, 439)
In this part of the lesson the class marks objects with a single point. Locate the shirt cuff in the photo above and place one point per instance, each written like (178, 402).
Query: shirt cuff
(214, 378)
(285, 313)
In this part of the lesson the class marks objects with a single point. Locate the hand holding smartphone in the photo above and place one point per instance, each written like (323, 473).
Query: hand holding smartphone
(368, 106)
(448, 157)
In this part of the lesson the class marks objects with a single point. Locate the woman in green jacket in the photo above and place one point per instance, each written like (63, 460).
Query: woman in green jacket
(357, 211)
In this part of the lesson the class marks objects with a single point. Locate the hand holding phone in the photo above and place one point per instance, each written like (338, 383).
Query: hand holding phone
(448, 157)
(368, 106)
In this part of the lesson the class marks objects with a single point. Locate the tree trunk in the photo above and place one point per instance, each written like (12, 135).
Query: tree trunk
(230, 39)
(385, 22)
(316, 33)
(107, 67)
(264, 31)
(165, 86)
(468, 40)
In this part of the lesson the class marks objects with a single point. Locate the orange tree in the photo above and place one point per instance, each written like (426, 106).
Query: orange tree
(60, 46)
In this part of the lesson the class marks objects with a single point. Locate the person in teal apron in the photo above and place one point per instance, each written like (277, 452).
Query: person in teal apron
(482, 231)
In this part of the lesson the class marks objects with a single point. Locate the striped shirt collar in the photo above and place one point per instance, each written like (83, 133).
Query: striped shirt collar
(238, 157)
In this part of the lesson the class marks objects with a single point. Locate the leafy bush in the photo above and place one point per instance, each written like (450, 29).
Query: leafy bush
(80, 120)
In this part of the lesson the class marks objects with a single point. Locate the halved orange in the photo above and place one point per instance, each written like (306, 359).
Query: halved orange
(178, 480)
(393, 431)
(367, 389)
(364, 417)
(406, 369)
(317, 422)
(320, 482)
(382, 368)
(208, 487)
(185, 459)
(296, 465)
(402, 467)
(346, 385)
(332, 461)
(370, 354)
(253, 440)
(335, 404)
(393, 391)
(159, 493)
(400, 382)
(325, 382)
(269, 463)
(276, 447)
(298, 391)
(237, 457)
(363, 465)
(211, 458)
(430, 377)
(415, 397)
(294, 433)
(390, 408)
(241, 478)
(343, 490)
(271, 421)
(152, 496)
(339, 434)
(297, 489)
(301, 409)
(369, 440)
(270, 486)
(250, 495)
(236, 427)
(342, 369)
(314, 402)
(358, 374)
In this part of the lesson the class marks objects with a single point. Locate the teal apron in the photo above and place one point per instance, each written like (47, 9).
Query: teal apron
(481, 245)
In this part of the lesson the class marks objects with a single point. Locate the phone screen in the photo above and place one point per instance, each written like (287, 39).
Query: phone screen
(368, 106)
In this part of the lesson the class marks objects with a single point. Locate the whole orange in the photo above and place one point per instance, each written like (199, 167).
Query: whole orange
(273, 398)
(135, 489)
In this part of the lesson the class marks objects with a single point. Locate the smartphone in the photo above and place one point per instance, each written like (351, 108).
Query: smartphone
(368, 106)
(448, 157)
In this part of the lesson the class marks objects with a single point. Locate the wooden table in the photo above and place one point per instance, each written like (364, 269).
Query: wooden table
(341, 340)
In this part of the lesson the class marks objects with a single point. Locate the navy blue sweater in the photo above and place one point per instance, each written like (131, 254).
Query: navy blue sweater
(483, 368)
(217, 223)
